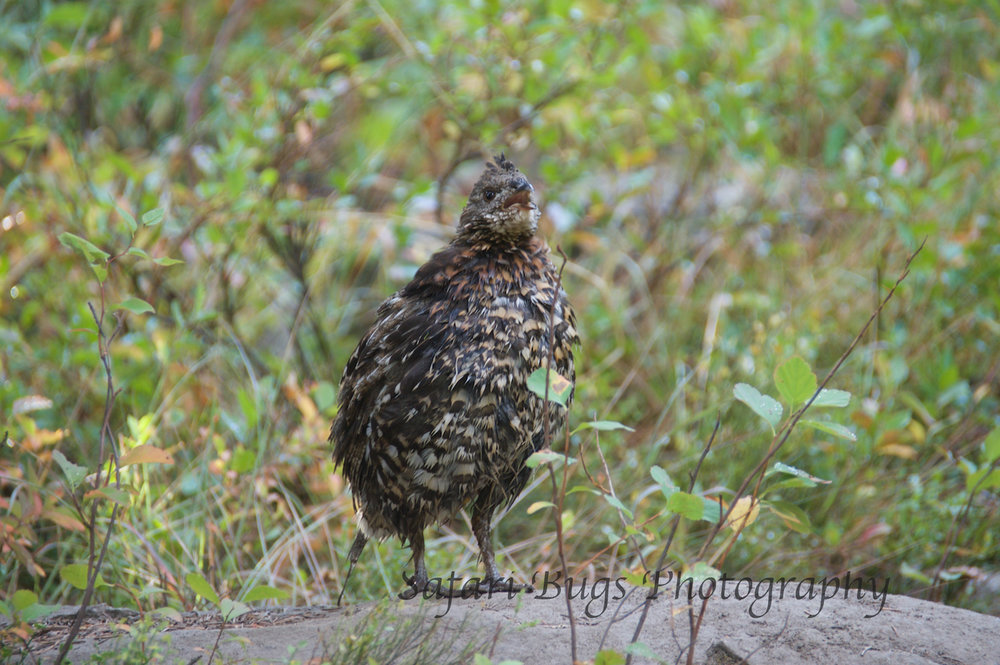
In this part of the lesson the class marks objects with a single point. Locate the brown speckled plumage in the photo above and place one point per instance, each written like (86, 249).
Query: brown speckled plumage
(434, 409)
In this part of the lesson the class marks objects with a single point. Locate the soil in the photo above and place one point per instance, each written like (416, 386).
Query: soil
(877, 628)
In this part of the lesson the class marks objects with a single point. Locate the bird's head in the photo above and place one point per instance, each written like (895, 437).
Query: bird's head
(501, 208)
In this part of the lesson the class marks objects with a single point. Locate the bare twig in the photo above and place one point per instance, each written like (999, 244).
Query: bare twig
(935, 590)
(95, 561)
(610, 491)
(693, 476)
(557, 495)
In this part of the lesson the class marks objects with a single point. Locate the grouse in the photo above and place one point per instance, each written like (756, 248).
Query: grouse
(434, 410)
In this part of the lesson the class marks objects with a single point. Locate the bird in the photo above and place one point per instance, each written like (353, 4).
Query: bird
(434, 412)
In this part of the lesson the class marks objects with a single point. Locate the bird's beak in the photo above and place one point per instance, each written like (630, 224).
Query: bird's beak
(521, 195)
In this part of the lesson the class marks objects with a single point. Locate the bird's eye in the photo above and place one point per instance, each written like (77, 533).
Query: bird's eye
(489, 194)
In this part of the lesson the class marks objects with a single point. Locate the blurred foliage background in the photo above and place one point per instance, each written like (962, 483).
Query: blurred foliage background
(734, 183)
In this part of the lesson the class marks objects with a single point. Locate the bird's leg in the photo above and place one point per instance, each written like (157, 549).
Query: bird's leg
(481, 514)
(352, 557)
(418, 582)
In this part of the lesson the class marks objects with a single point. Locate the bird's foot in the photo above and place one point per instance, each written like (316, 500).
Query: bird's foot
(416, 584)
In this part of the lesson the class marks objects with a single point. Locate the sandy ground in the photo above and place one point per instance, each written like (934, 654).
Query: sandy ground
(896, 630)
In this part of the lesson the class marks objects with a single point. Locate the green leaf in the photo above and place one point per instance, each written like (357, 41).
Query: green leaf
(67, 15)
(243, 460)
(559, 386)
(169, 613)
(232, 609)
(90, 251)
(128, 218)
(166, 261)
(795, 381)
(23, 598)
(135, 305)
(781, 467)
(976, 479)
(687, 505)
(152, 217)
(641, 650)
(76, 574)
(119, 496)
(907, 570)
(787, 483)
(201, 587)
(100, 271)
(324, 395)
(138, 251)
(662, 479)
(711, 511)
(832, 397)
(616, 503)
(74, 473)
(794, 517)
(602, 426)
(764, 406)
(264, 592)
(37, 611)
(992, 445)
(836, 429)
(609, 657)
(702, 571)
(546, 457)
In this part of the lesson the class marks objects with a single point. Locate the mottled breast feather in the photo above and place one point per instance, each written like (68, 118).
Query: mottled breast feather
(434, 408)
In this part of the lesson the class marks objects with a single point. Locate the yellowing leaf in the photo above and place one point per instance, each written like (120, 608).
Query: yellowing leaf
(559, 387)
(64, 518)
(303, 402)
(898, 450)
(538, 505)
(44, 437)
(744, 513)
(146, 454)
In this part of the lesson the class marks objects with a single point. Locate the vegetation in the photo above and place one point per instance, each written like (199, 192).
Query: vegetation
(204, 202)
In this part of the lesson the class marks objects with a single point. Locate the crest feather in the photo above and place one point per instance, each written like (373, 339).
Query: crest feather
(500, 163)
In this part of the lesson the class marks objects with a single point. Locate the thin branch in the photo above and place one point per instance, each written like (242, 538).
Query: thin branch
(935, 590)
(557, 495)
(96, 561)
(693, 476)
